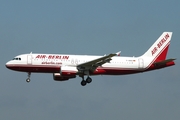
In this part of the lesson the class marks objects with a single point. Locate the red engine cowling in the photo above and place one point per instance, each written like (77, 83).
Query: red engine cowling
(59, 77)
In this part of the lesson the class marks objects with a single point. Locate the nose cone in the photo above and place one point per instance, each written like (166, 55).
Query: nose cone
(12, 66)
(8, 65)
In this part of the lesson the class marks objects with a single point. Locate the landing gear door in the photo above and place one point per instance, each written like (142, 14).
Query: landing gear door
(29, 59)
(141, 63)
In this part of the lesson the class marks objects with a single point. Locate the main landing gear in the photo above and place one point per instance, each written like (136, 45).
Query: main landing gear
(84, 82)
(28, 79)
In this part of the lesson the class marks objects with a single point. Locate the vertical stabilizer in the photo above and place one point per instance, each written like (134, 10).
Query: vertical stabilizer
(159, 49)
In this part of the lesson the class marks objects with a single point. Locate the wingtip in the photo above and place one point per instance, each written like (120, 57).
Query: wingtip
(118, 53)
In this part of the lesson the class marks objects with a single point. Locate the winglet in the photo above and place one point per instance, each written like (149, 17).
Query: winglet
(118, 53)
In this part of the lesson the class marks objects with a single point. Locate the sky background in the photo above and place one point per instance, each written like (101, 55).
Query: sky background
(94, 27)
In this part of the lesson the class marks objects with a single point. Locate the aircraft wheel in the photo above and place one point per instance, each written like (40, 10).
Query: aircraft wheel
(28, 80)
(88, 80)
(83, 82)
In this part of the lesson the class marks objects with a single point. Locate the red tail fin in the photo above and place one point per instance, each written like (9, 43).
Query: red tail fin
(158, 51)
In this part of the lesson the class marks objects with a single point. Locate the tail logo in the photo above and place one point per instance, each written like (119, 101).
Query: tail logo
(160, 44)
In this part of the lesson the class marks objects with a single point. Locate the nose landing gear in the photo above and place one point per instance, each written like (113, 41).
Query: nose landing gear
(28, 79)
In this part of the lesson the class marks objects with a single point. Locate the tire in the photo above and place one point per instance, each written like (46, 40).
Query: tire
(83, 82)
(88, 80)
(28, 80)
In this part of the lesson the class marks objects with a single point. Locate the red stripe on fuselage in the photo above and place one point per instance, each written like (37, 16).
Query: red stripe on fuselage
(35, 68)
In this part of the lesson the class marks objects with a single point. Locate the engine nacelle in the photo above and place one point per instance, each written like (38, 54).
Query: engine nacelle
(66, 71)
(59, 77)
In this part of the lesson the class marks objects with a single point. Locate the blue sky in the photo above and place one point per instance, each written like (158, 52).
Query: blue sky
(95, 27)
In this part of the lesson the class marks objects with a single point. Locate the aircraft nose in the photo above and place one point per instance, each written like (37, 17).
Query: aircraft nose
(7, 65)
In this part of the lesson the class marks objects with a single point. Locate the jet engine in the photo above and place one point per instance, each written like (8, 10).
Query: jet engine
(66, 72)
(59, 77)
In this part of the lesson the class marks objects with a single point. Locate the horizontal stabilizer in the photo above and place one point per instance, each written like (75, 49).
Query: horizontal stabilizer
(163, 62)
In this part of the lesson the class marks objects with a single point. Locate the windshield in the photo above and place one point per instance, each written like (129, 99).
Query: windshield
(16, 58)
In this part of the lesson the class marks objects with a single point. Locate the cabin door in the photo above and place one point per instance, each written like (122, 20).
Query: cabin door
(141, 63)
(29, 59)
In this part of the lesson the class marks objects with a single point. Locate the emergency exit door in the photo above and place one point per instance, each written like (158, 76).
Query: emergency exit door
(141, 63)
(29, 59)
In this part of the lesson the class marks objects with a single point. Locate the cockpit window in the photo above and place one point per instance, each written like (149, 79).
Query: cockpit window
(16, 58)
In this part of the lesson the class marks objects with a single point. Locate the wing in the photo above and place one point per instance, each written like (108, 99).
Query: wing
(93, 64)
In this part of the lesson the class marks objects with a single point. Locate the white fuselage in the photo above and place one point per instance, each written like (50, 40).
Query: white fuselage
(37, 61)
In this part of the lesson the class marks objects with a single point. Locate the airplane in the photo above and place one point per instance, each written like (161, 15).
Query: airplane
(65, 67)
